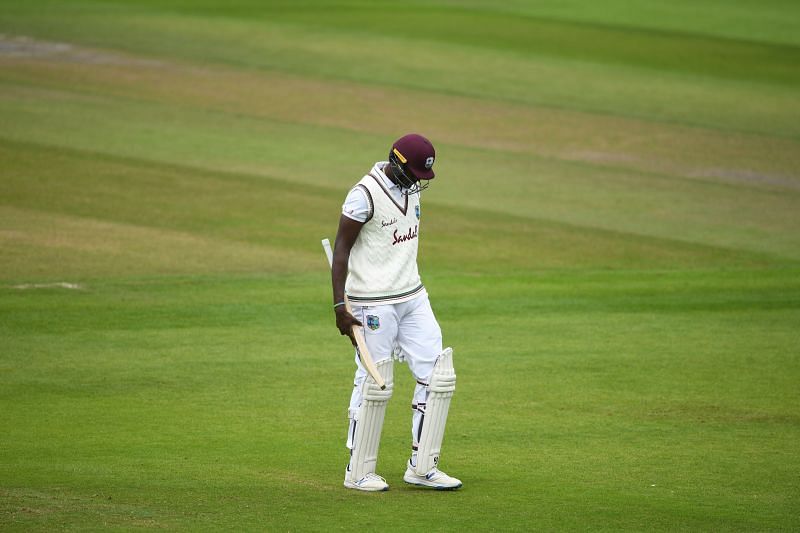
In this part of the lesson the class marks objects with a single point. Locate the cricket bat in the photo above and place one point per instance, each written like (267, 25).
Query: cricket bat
(358, 332)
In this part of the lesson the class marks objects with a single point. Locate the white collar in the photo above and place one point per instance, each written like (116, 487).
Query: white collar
(378, 168)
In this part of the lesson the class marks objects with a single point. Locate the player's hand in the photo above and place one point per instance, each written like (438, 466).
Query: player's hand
(345, 322)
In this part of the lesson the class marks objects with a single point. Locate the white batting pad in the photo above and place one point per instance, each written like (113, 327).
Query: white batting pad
(366, 423)
(440, 391)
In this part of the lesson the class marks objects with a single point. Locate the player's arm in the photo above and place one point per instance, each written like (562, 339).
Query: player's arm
(345, 239)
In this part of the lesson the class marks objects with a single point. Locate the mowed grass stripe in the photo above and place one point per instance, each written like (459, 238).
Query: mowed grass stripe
(42, 245)
(446, 67)
(578, 193)
(524, 34)
(592, 42)
(771, 21)
(85, 214)
(88, 214)
(569, 135)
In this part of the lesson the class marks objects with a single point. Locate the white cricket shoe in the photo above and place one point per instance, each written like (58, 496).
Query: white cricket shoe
(370, 483)
(435, 479)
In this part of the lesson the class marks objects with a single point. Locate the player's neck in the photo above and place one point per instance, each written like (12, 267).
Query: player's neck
(387, 170)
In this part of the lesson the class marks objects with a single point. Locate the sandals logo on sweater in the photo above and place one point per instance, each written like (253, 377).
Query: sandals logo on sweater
(407, 236)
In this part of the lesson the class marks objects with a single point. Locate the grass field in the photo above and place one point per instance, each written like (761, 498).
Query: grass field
(612, 247)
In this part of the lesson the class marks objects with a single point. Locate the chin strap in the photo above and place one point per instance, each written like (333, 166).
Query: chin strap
(408, 185)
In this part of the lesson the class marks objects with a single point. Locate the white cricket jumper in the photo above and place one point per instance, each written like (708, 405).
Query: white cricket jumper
(383, 260)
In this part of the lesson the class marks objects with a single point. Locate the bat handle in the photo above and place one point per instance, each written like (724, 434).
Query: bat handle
(326, 245)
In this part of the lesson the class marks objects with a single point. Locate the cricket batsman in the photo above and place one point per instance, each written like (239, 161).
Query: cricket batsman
(375, 264)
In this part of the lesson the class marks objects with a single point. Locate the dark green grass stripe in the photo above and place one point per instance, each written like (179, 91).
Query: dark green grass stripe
(656, 49)
(269, 298)
(603, 43)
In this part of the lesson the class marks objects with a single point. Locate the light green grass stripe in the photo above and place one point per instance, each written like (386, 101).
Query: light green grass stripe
(239, 222)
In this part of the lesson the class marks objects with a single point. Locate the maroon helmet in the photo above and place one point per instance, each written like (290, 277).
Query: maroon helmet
(411, 159)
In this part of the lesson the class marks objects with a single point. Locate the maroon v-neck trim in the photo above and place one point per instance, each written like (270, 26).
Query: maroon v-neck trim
(380, 182)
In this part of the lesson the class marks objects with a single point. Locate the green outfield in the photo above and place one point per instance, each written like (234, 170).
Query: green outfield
(612, 247)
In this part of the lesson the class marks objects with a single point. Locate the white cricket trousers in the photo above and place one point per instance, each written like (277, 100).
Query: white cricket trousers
(409, 331)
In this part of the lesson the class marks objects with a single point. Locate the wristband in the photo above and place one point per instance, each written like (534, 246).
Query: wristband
(337, 305)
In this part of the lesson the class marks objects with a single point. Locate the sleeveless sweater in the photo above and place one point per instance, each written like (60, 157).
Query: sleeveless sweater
(383, 260)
